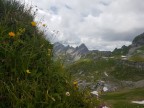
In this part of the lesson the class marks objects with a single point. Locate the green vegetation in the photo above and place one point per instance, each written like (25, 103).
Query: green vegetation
(89, 65)
(96, 54)
(123, 99)
(29, 78)
(84, 69)
(123, 72)
(138, 55)
(121, 51)
(87, 68)
(137, 58)
(97, 68)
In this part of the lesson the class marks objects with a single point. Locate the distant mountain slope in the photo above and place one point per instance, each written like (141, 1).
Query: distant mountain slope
(113, 68)
(135, 51)
(121, 51)
(138, 40)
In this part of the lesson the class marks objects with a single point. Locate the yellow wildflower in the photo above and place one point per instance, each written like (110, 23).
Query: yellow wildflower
(67, 94)
(75, 82)
(33, 23)
(11, 34)
(27, 71)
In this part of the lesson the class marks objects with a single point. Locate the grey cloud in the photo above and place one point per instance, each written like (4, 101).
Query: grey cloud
(100, 24)
(110, 35)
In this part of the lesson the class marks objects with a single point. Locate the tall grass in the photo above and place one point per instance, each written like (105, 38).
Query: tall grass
(29, 78)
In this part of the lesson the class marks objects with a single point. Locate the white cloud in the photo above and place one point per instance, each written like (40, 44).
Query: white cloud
(100, 24)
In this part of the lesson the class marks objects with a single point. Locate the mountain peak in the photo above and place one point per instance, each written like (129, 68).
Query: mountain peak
(82, 49)
(82, 46)
(57, 43)
(139, 40)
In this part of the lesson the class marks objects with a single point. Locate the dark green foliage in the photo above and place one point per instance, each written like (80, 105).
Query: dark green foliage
(121, 51)
(29, 78)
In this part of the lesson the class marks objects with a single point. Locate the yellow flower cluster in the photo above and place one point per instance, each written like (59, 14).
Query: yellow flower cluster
(21, 30)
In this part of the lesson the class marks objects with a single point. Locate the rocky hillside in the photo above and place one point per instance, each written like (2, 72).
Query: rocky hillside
(134, 50)
(138, 40)
(68, 53)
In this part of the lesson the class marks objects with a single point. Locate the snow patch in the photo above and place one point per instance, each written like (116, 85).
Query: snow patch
(106, 74)
(105, 107)
(95, 93)
(105, 89)
(138, 102)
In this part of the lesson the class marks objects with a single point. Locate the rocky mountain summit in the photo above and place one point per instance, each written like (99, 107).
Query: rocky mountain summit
(138, 41)
(70, 54)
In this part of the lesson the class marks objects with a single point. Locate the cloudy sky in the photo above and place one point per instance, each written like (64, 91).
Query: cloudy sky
(100, 24)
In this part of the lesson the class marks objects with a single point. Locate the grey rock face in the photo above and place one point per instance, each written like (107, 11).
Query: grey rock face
(138, 41)
(69, 53)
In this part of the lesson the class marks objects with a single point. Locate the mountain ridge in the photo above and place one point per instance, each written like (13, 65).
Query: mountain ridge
(71, 54)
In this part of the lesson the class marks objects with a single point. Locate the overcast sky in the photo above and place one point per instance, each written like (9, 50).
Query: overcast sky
(100, 24)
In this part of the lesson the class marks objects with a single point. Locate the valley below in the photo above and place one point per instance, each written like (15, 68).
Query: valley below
(115, 79)
(107, 79)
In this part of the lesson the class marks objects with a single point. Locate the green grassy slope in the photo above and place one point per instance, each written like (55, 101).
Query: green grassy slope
(96, 68)
(124, 99)
(84, 69)
(138, 54)
(29, 78)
